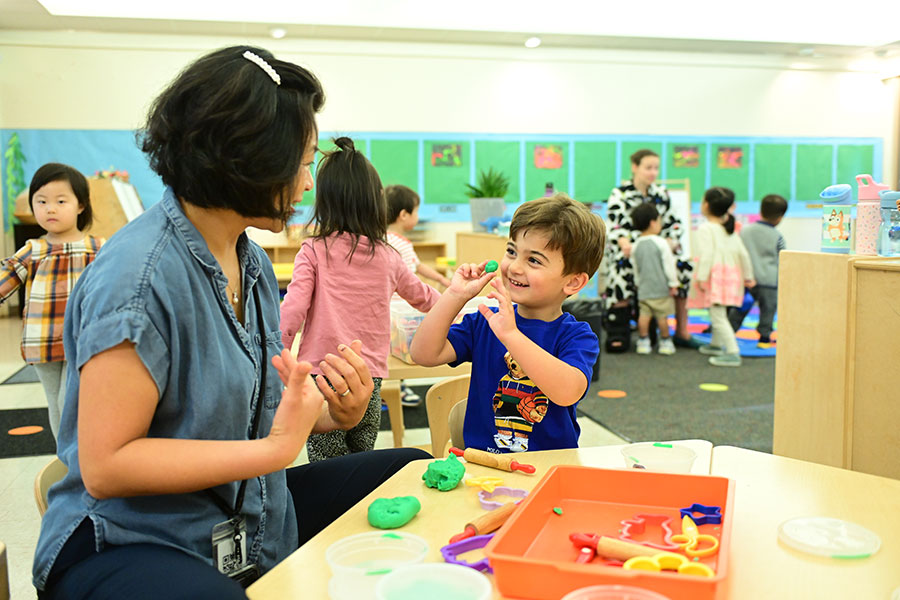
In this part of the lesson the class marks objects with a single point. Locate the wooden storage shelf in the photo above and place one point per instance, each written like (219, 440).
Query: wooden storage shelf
(838, 338)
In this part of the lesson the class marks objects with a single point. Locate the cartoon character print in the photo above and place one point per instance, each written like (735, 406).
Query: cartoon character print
(835, 227)
(518, 405)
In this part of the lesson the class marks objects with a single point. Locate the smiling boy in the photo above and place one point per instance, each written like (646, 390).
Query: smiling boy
(531, 362)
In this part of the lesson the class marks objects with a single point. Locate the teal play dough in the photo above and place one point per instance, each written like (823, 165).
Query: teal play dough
(491, 266)
(391, 513)
(444, 474)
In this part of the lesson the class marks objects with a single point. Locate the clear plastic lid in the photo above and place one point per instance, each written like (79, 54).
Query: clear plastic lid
(825, 536)
(613, 592)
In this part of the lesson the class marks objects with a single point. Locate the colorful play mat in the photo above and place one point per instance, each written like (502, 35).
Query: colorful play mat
(747, 337)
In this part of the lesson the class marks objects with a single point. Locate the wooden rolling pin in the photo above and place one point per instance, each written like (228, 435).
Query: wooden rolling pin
(609, 547)
(504, 462)
(486, 523)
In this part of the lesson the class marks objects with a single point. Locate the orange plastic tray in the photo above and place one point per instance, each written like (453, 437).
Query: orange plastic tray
(533, 558)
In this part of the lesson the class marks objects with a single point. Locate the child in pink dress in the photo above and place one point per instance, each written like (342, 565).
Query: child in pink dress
(722, 269)
(341, 287)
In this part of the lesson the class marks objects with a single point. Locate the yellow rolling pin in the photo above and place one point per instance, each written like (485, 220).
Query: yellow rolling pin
(504, 462)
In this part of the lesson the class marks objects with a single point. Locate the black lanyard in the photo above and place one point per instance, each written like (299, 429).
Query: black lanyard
(239, 502)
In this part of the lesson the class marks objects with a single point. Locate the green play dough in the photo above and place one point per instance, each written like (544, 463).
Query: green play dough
(491, 266)
(391, 513)
(444, 474)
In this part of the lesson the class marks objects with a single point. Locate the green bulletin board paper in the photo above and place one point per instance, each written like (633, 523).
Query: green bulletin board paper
(595, 171)
(726, 175)
(771, 170)
(446, 184)
(536, 179)
(695, 174)
(813, 171)
(503, 157)
(854, 160)
(397, 162)
(629, 148)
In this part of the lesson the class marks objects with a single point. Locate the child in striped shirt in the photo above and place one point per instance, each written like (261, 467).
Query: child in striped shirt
(49, 267)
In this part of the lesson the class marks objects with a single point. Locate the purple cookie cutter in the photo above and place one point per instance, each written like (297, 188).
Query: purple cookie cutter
(485, 497)
(450, 552)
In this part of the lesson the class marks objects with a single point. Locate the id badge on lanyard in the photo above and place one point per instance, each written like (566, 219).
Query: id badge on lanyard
(229, 545)
(229, 538)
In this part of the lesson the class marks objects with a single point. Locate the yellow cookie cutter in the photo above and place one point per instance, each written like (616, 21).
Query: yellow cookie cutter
(485, 482)
(668, 561)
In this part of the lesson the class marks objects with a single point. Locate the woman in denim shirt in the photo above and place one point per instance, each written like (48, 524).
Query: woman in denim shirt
(175, 434)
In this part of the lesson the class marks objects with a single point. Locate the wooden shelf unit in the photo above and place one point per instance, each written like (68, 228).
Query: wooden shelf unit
(838, 347)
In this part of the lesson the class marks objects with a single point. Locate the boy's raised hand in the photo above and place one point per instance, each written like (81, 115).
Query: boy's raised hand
(502, 322)
(469, 279)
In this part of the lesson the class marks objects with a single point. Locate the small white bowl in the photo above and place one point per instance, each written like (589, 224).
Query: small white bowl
(434, 581)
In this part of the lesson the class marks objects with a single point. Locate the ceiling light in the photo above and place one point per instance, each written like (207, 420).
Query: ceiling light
(806, 51)
(533, 42)
(277, 32)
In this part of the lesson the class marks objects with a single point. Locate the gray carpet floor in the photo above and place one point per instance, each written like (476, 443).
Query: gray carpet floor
(664, 400)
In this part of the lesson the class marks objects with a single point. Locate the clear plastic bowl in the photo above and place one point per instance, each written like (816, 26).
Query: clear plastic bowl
(359, 562)
(613, 592)
(434, 581)
(659, 456)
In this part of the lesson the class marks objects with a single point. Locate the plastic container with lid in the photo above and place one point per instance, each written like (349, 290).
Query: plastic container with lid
(837, 207)
(889, 224)
(434, 581)
(613, 592)
(868, 218)
(660, 457)
(359, 562)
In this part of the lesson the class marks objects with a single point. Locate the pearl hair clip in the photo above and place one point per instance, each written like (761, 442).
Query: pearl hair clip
(262, 64)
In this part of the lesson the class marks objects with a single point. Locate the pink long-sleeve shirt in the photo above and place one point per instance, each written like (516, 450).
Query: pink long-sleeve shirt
(336, 301)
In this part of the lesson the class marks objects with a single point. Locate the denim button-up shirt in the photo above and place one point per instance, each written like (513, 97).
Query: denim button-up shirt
(157, 285)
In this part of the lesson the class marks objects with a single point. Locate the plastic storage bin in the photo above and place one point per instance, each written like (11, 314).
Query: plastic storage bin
(660, 457)
(405, 321)
(358, 562)
(532, 555)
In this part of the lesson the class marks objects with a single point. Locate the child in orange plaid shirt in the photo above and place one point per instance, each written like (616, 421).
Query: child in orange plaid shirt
(49, 267)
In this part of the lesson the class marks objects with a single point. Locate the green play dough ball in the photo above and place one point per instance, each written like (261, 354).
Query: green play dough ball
(391, 513)
(444, 474)
(491, 266)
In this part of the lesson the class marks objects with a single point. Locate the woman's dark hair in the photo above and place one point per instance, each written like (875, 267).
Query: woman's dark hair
(642, 215)
(349, 197)
(719, 200)
(640, 155)
(224, 134)
(59, 172)
(399, 198)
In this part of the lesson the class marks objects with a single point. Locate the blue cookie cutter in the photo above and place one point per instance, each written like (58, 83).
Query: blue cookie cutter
(450, 552)
(711, 514)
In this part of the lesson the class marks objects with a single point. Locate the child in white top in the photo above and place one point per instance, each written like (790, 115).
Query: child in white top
(722, 270)
(48, 267)
(342, 285)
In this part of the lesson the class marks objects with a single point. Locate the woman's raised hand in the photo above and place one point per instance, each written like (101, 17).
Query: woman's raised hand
(353, 385)
(300, 407)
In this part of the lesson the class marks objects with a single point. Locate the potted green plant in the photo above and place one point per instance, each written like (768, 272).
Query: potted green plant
(491, 184)
(487, 200)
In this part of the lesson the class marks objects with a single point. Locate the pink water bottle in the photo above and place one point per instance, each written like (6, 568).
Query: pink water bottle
(868, 214)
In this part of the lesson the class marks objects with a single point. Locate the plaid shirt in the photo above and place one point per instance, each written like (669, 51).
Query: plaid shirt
(49, 272)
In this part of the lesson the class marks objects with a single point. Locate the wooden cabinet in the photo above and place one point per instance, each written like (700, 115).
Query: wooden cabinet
(478, 247)
(838, 351)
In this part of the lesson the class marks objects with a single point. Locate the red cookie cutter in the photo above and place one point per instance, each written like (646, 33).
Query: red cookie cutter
(638, 525)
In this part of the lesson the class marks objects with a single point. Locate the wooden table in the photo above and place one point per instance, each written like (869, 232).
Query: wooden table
(390, 388)
(305, 573)
(771, 489)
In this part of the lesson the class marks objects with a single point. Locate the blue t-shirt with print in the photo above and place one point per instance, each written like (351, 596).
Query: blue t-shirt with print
(505, 411)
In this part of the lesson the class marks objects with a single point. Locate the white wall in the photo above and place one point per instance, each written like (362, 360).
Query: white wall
(72, 80)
